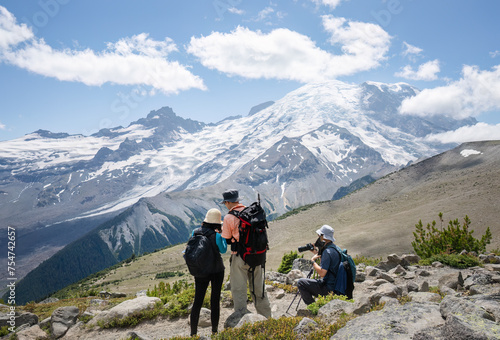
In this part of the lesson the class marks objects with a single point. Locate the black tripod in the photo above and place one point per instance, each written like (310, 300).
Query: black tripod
(298, 292)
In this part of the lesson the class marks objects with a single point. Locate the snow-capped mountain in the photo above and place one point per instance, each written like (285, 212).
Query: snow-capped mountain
(298, 150)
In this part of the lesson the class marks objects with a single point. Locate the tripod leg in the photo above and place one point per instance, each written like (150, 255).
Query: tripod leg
(293, 302)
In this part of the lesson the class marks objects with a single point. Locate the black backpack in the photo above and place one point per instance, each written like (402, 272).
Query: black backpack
(253, 243)
(200, 253)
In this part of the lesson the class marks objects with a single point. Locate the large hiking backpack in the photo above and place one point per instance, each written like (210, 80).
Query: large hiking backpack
(200, 253)
(346, 263)
(253, 243)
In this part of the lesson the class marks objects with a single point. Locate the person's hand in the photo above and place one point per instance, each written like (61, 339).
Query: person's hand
(315, 257)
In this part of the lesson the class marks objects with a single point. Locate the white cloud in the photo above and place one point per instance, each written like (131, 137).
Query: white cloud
(478, 132)
(410, 49)
(264, 14)
(476, 92)
(285, 54)
(2, 126)
(137, 60)
(495, 54)
(235, 10)
(330, 3)
(427, 71)
(11, 34)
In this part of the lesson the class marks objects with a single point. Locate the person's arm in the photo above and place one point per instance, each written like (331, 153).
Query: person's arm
(221, 243)
(321, 272)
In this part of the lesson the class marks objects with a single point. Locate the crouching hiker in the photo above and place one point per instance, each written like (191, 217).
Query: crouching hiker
(327, 269)
(204, 261)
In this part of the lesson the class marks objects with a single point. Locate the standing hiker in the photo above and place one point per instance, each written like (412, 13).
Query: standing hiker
(241, 272)
(206, 247)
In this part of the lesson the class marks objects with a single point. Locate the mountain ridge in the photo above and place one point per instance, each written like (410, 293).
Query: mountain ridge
(321, 136)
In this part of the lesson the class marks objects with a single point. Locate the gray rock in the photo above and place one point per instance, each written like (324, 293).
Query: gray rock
(379, 282)
(410, 275)
(126, 308)
(304, 265)
(465, 327)
(424, 297)
(399, 270)
(452, 280)
(371, 271)
(411, 258)
(424, 287)
(390, 290)
(362, 305)
(31, 333)
(116, 295)
(250, 318)
(50, 300)
(400, 322)
(305, 327)
(235, 317)
(423, 273)
(293, 275)
(137, 336)
(62, 319)
(482, 278)
(492, 267)
(205, 318)
(437, 264)
(279, 294)
(385, 276)
(411, 286)
(270, 276)
(141, 293)
(457, 306)
(330, 312)
(360, 276)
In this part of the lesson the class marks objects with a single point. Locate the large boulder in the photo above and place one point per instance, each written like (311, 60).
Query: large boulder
(399, 322)
(62, 319)
(126, 308)
(251, 319)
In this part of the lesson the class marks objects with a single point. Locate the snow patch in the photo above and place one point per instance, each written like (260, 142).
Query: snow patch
(469, 152)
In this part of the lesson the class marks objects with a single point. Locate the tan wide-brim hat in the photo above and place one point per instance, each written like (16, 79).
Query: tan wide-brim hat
(213, 216)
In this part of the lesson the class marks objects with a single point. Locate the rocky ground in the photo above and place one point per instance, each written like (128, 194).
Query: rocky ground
(470, 309)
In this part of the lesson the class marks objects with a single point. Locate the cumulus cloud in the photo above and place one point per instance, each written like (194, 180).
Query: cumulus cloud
(476, 92)
(410, 49)
(12, 34)
(427, 71)
(330, 3)
(478, 132)
(137, 60)
(286, 54)
(2, 126)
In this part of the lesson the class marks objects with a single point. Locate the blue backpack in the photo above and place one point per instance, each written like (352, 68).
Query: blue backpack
(346, 274)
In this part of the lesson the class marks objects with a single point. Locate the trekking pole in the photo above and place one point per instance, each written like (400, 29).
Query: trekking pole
(298, 292)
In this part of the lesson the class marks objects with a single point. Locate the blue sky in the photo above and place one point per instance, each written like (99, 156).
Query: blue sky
(79, 66)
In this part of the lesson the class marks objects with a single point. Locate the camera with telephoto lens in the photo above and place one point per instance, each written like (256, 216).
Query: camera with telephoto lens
(308, 246)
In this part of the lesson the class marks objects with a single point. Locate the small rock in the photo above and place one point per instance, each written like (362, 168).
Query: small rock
(250, 318)
(305, 327)
(235, 317)
(437, 264)
(385, 276)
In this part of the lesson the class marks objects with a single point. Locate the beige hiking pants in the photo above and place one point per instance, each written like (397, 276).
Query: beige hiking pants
(240, 274)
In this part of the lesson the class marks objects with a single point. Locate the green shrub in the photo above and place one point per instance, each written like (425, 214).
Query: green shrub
(452, 260)
(287, 262)
(453, 239)
(369, 261)
(323, 300)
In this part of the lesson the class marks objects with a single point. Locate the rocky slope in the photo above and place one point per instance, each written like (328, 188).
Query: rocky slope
(467, 307)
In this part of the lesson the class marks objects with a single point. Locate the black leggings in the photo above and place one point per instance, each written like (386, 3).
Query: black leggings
(201, 285)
